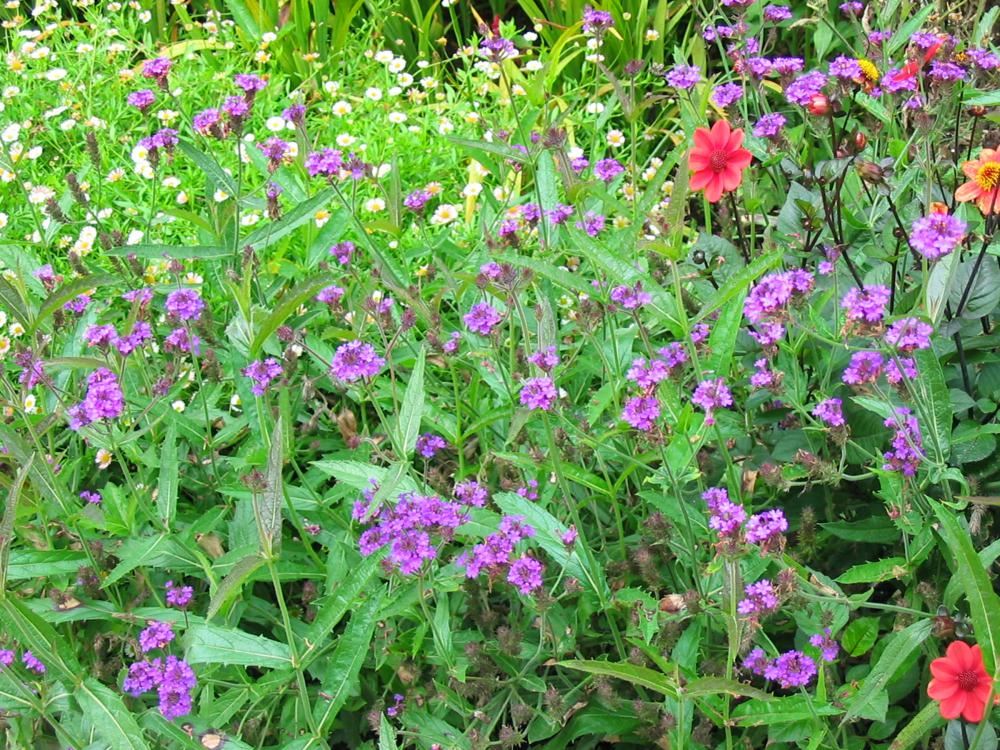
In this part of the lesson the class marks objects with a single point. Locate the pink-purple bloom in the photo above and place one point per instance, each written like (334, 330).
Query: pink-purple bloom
(710, 395)
(539, 393)
(263, 372)
(355, 360)
(937, 235)
(482, 318)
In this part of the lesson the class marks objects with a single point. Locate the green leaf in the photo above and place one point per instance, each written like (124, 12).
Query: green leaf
(739, 282)
(40, 473)
(722, 342)
(873, 530)
(232, 584)
(858, 638)
(386, 735)
(928, 719)
(106, 712)
(67, 292)
(720, 685)
(145, 550)
(177, 252)
(286, 307)
(905, 32)
(933, 404)
(31, 563)
(628, 672)
(332, 608)
(214, 644)
(267, 505)
(874, 572)
(268, 235)
(969, 737)
(7, 523)
(348, 657)
(984, 605)
(209, 166)
(412, 409)
(556, 275)
(166, 490)
(11, 298)
(794, 709)
(37, 635)
(901, 645)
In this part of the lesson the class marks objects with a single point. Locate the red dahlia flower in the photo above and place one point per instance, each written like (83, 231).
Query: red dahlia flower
(960, 682)
(717, 160)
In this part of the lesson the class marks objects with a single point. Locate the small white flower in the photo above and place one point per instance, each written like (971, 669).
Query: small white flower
(344, 140)
(374, 205)
(178, 406)
(220, 195)
(275, 124)
(616, 138)
(104, 458)
(373, 93)
(55, 74)
(444, 214)
(397, 118)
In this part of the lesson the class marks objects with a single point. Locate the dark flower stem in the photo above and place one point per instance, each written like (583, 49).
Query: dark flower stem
(739, 229)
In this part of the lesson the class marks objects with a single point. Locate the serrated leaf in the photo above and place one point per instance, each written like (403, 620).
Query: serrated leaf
(386, 735)
(106, 712)
(209, 166)
(628, 672)
(267, 505)
(231, 585)
(874, 572)
(289, 303)
(901, 645)
(267, 235)
(984, 605)
(928, 718)
(858, 637)
(720, 685)
(166, 491)
(10, 297)
(213, 644)
(348, 657)
(141, 551)
(412, 409)
(177, 252)
(793, 709)
(7, 523)
(67, 292)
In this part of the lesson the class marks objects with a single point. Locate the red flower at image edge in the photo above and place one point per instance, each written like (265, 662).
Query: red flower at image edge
(717, 160)
(960, 682)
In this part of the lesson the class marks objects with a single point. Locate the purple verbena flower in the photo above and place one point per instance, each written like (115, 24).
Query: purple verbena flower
(726, 94)
(864, 368)
(482, 318)
(178, 596)
(156, 635)
(769, 125)
(937, 235)
(760, 599)
(429, 444)
(909, 334)
(867, 305)
(539, 393)
(791, 669)
(641, 412)
(829, 412)
(710, 395)
(185, 304)
(526, 574)
(631, 297)
(683, 77)
(828, 647)
(355, 360)
(262, 372)
(32, 662)
(142, 99)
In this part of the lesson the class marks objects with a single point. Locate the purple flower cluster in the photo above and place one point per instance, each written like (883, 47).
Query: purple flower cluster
(867, 306)
(326, 163)
(429, 444)
(760, 599)
(631, 297)
(725, 517)
(178, 596)
(710, 395)
(829, 412)
(495, 555)
(802, 90)
(262, 372)
(482, 318)
(172, 678)
(641, 412)
(142, 99)
(526, 574)
(471, 492)
(158, 69)
(343, 252)
(909, 334)
(355, 360)
(769, 125)
(937, 235)
(864, 368)
(408, 528)
(683, 76)
(592, 223)
(828, 647)
(546, 359)
(771, 297)
(539, 393)
(32, 662)
(104, 400)
(726, 94)
(791, 669)
(155, 635)
(596, 22)
(907, 443)
(185, 304)
(607, 169)
(767, 529)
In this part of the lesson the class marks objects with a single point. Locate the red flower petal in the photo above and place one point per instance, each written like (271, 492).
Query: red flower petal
(952, 708)
(731, 178)
(974, 708)
(945, 669)
(720, 134)
(941, 690)
(714, 190)
(703, 140)
(740, 158)
(701, 179)
(735, 140)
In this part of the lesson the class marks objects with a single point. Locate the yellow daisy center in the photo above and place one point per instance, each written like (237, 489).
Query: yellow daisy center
(869, 70)
(988, 176)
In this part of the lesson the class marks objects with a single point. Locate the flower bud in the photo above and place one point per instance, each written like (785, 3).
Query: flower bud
(819, 105)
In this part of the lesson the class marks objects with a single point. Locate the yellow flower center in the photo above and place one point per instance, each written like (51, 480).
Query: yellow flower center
(988, 176)
(869, 70)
